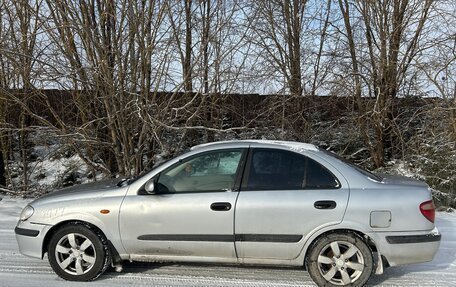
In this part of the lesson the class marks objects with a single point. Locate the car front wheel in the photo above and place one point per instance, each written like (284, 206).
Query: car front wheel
(340, 259)
(78, 253)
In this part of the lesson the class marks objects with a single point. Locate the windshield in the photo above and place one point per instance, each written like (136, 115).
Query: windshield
(355, 166)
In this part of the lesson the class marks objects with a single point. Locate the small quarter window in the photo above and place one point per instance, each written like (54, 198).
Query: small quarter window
(318, 177)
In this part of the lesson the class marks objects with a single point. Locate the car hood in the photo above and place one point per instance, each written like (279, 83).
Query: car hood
(88, 190)
(401, 180)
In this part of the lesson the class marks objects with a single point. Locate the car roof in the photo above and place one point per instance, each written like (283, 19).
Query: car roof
(297, 146)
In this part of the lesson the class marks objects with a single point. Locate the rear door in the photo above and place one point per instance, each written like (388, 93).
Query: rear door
(285, 196)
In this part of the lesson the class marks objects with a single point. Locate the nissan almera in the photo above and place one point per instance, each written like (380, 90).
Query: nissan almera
(246, 202)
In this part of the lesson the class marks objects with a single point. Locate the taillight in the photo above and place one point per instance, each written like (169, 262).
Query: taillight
(427, 208)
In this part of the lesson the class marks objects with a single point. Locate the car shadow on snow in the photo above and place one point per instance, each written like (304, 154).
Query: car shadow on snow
(293, 275)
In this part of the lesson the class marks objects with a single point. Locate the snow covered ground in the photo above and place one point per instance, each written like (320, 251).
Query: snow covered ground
(18, 270)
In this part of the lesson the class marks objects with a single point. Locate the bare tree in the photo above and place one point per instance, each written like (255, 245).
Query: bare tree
(110, 49)
(277, 32)
(18, 52)
(175, 11)
(323, 34)
(391, 35)
(145, 76)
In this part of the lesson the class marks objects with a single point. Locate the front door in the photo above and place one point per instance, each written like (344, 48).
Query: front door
(191, 212)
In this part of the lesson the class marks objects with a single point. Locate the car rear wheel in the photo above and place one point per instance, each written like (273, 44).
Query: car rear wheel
(340, 259)
(77, 252)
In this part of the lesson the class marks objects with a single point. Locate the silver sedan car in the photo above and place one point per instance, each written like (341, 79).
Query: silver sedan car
(246, 202)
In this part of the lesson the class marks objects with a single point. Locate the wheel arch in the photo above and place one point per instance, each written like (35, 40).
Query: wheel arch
(361, 235)
(56, 227)
(331, 270)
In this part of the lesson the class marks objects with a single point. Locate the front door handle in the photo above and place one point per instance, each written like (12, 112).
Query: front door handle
(325, 204)
(221, 206)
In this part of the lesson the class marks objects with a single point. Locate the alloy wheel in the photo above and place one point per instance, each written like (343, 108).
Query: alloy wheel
(75, 254)
(340, 263)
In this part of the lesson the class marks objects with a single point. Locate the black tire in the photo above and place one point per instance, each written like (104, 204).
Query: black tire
(353, 263)
(82, 249)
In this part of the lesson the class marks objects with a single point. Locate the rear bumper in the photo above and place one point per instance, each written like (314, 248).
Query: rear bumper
(401, 248)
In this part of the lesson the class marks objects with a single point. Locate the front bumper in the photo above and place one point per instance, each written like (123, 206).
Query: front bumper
(30, 238)
(401, 248)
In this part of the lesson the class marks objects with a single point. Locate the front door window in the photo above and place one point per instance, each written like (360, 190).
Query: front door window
(208, 172)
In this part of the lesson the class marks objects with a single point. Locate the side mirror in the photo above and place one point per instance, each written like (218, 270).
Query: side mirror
(149, 187)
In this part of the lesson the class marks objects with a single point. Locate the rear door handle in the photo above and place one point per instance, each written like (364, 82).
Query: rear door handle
(221, 206)
(325, 204)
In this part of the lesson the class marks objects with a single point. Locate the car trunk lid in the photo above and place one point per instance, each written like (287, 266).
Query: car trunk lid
(401, 180)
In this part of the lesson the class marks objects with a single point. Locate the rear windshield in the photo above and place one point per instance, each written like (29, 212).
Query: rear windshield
(355, 166)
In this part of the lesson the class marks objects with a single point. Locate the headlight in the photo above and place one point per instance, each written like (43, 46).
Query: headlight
(26, 213)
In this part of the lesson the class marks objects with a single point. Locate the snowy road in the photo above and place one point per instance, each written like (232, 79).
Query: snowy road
(18, 270)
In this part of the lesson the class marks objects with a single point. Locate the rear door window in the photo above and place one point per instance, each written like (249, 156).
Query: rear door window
(271, 169)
